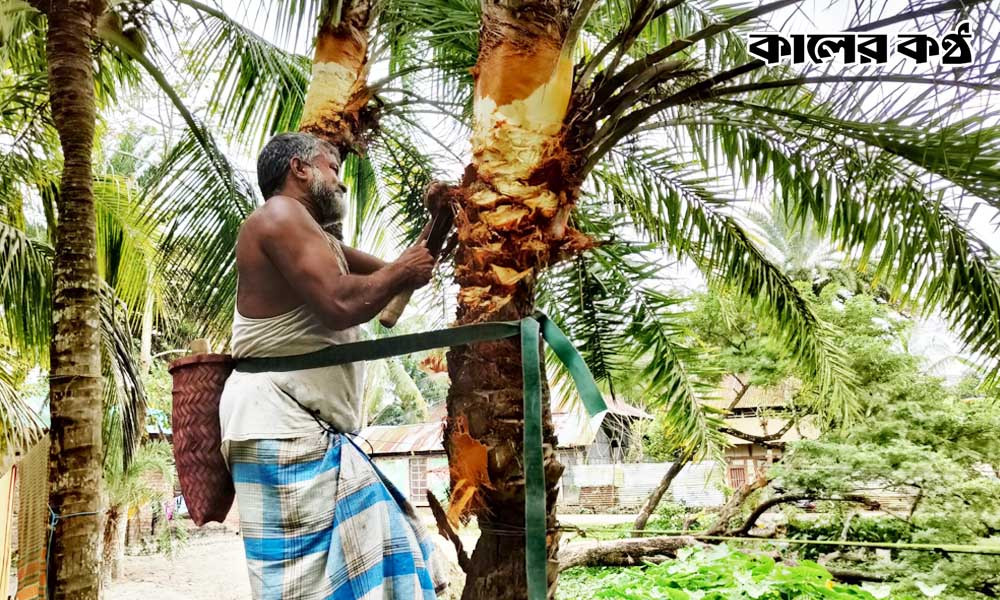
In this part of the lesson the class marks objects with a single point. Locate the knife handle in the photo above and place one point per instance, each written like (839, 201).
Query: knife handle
(392, 311)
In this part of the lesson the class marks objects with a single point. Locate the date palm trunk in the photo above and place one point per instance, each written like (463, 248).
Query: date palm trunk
(336, 105)
(517, 196)
(75, 372)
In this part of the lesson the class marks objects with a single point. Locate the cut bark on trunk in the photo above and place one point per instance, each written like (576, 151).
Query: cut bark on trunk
(75, 372)
(336, 104)
(657, 494)
(486, 387)
(511, 223)
(627, 552)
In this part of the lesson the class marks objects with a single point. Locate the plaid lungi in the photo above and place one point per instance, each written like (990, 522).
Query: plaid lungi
(319, 521)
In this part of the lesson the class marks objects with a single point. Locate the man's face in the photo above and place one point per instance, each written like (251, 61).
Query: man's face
(325, 188)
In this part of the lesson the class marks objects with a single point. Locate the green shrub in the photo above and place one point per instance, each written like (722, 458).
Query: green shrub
(716, 573)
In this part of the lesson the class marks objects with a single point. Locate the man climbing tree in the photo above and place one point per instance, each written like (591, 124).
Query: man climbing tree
(297, 476)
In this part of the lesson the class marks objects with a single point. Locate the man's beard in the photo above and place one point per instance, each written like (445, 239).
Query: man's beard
(329, 201)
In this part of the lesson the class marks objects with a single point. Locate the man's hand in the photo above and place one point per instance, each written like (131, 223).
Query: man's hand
(436, 195)
(418, 265)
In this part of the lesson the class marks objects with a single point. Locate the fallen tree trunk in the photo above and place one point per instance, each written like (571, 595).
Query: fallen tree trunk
(630, 552)
(627, 552)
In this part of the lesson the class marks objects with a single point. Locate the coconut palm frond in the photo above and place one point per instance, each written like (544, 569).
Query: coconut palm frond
(20, 426)
(124, 393)
(447, 31)
(257, 88)
(292, 23)
(201, 200)
(25, 292)
(403, 170)
(126, 248)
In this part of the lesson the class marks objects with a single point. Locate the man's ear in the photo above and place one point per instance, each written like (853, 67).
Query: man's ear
(298, 168)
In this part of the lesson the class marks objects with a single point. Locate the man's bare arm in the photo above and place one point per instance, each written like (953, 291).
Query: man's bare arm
(362, 263)
(298, 248)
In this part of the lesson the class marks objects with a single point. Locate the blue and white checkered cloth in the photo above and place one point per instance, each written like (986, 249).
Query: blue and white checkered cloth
(320, 522)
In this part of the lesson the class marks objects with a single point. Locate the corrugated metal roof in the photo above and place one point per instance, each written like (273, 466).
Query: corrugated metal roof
(615, 407)
(404, 439)
(623, 409)
(573, 429)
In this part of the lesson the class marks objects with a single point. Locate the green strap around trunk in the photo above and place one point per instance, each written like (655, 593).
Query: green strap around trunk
(536, 557)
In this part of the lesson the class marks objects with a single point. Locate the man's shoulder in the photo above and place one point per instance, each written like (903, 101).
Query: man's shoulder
(278, 217)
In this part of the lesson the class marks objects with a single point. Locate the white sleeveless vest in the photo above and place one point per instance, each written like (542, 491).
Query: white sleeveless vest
(263, 405)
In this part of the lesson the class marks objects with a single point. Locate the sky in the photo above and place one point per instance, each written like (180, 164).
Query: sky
(930, 338)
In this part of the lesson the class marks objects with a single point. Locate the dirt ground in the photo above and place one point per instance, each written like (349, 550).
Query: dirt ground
(212, 565)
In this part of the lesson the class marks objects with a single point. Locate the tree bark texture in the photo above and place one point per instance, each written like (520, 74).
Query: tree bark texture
(657, 494)
(336, 105)
(622, 553)
(114, 528)
(633, 551)
(512, 221)
(75, 373)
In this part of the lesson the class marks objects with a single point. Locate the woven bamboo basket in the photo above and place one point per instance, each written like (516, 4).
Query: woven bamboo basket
(205, 480)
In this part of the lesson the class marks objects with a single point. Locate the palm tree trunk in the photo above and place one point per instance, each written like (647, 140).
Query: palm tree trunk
(336, 105)
(518, 193)
(146, 329)
(113, 529)
(75, 396)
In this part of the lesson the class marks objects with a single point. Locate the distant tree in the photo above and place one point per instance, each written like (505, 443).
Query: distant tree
(935, 446)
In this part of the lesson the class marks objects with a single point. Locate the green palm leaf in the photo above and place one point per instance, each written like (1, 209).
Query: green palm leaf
(201, 202)
(679, 207)
(877, 209)
(123, 424)
(258, 89)
(25, 292)
(20, 426)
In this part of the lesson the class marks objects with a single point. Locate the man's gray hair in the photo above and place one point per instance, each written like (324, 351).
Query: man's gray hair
(276, 156)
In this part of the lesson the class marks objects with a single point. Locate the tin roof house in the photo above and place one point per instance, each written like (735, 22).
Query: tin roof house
(592, 450)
